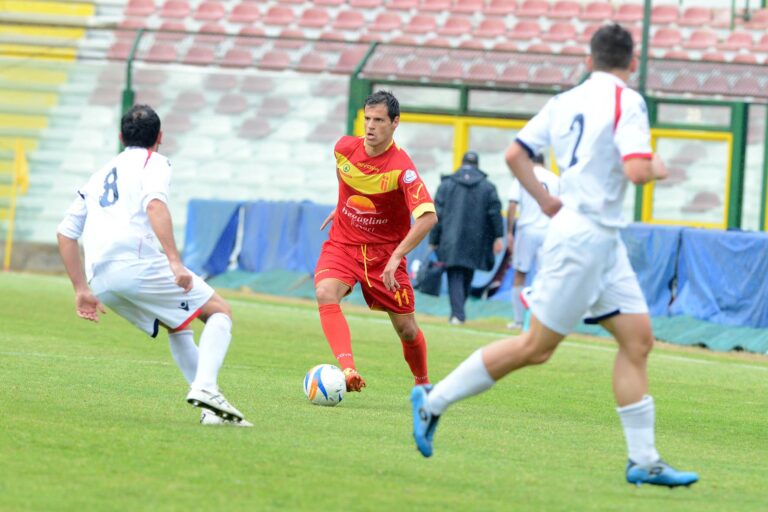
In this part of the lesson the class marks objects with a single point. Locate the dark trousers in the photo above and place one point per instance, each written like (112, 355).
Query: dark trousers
(459, 282)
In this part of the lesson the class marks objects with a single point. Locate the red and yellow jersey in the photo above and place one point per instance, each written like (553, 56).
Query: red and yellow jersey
(377, 195)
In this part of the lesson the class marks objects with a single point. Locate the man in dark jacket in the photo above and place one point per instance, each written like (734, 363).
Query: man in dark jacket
(469, 230)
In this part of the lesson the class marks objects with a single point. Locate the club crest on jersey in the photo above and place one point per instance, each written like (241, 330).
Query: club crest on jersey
(345, 168)
(410, 176)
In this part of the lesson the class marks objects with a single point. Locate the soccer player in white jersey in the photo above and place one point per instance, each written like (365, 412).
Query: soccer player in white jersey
(601, 139)
(526, 234)
(121, 214)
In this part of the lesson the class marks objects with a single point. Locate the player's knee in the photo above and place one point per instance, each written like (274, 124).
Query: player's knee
(326, 295)
(407, 332)
(536, 354)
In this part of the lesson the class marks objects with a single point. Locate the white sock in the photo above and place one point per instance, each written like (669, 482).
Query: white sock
(214, 343)
(637, 420)
(518, 310)
(468, 379)
(184, 352)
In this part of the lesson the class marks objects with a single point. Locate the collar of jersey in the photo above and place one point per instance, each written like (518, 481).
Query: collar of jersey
(603, 75)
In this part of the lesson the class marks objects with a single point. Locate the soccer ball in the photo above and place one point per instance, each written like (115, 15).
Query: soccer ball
(324, 384)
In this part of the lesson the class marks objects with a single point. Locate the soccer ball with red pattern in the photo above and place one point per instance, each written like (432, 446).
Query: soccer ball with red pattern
(324, 384)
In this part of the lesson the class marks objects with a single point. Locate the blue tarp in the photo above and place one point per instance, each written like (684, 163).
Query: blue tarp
(209, 235)
(721, 277)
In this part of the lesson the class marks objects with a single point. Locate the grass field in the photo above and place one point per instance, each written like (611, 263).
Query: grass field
(94, 418)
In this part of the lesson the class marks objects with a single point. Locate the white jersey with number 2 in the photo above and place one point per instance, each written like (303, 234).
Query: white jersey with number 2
(592, 128)
(109, 212)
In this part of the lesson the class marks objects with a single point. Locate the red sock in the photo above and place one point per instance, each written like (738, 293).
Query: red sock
(336, 331)
(415, 353)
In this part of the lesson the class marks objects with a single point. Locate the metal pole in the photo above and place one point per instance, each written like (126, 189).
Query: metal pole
(644, 50)
(128, 93)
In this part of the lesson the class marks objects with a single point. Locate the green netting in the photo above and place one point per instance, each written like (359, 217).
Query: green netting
(680, 330)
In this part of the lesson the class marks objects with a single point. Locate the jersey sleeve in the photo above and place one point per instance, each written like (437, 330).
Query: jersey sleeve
(156, 180)
(416, 194)
(633, 134)
(514, 192)
(534, 136)
(73, 223)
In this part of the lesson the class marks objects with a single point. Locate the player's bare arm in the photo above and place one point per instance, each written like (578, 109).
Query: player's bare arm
(522, 167)
(86, 303)
(419, 229)
(642, 170)
(511, 213)
(160, 219)
(328, 219)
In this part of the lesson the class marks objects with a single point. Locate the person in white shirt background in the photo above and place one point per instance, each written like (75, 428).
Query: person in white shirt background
(600, 134)
(526, 233)
(121, 214)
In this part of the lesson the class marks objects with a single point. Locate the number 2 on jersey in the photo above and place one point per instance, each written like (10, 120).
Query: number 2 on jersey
(110, 185)
(578, 123)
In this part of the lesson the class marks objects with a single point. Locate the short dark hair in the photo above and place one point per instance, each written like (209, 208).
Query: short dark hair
(140, 127)
(611, 48)
(385, 98)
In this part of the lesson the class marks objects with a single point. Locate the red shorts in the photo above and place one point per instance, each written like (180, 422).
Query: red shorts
(362, 263)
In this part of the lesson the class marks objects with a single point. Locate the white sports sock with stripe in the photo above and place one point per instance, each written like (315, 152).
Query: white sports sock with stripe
(468, 379)
(637, 420)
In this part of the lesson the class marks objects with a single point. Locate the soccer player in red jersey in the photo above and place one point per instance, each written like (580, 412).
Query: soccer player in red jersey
(379, 191)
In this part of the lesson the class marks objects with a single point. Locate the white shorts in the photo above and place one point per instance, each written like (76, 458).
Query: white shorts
(145, 293)
(528, 241)
(584, 273)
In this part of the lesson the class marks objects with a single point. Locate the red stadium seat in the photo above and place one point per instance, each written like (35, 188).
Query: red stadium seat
(190, 101)
(349, 60)
(382, 66)
(548, 75)
(468, 6)
(435, 5)
(149, 77)
(258, 84)
(140, 7)
(119, 50)
(745, 58)
(560, 31)
(515, 73)
(386, 22)
(481, 72)
(231, 104)
(721, 17)
(695, 17)
(449, 70)
(701, 39)
(524, 30)
(312, 62)
(349, 20)
(713, 57)
(685, 83)
(161, 52)
(275, 59)
(405, 5)
(588, 32)
(716, 84)
(747, 86)
(176, 122)
(538, 48)
(758, 20)
(416, 68)
(200, 55)
(279, 15)
(254, 128)
(237, 58)
(472, 44)
(506, 46)
(663, 14)
(294, 2)
(175, 9)
(456, 26)
(702, 202)
(244, 13)
(435, 47)
(421, 24)
(251, 36)
(676, 55)
(532, 9)
(490, 28)
(403, 40)
(500, 7)
(597, 11)
(762, 44)
(666, 38)
(171, 31)
(365, 4)
(330, 3)
(314, 18)
(629, 13)
(737, 40)
(211, 33)
(290, 39)
(149, 97)
(567, 9)
(209, 10)
(573, 49)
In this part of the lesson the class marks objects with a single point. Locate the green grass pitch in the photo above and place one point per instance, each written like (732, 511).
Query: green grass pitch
(93, 417)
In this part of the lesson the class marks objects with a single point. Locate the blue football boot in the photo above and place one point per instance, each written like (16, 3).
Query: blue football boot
(659, 473)
(424, 422)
